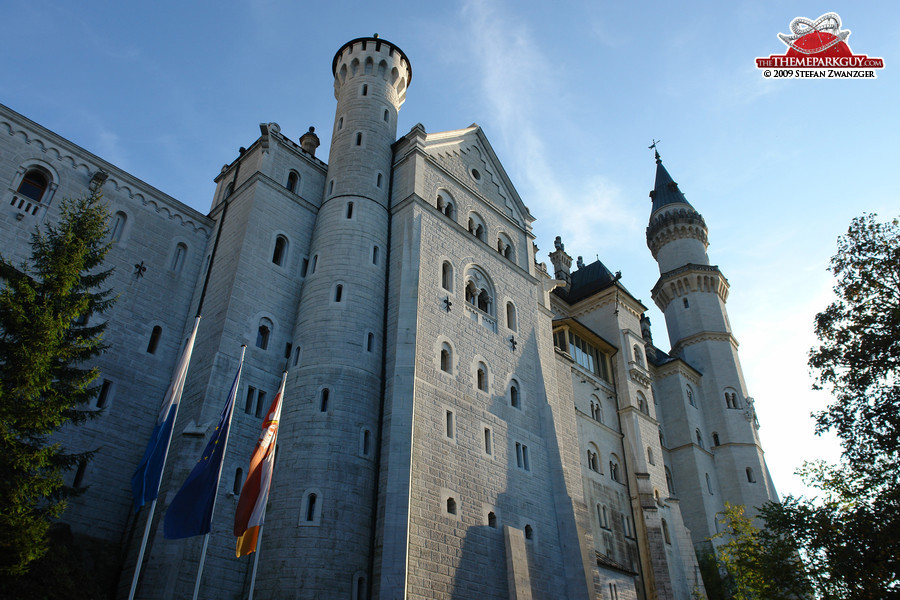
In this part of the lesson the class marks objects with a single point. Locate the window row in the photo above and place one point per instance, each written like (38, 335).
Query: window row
(627, 522)
(475, 225)
(481, 375)
(308, 265)
(265, 331)
(594, 463)
(732, 399)
(583, 352)
(523, 456)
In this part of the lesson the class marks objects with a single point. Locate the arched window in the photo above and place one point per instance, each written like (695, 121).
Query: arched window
(731, 399)
(33, 185)
(349, 210)
(650, 455)
(670, 482)
(638, 355)
(511, 315)
(492, 520)
(446, 358)
(750, 477)
(481, 377)
(447, 276)
(154, 339)
(280, 252)
(451, 506)
(642, 403)
(708, 484)
(514, 395)
(605, 518)
(315, 262)
(370, 342)
(263, 333)
(359, 138)
(665, 531)
(529, 532)
(479, 291)
(229, 190)
(662, 441)
(338, 292)
(596, 409)
(593, 460)
(715, 437)
(690, 395)
(118, 226)
(699, 437)
(476, 226)
(297, 353)
(179, 257)
(359, 588)
(238, 481)
(293, 182)
(614, 468)
(323, 399)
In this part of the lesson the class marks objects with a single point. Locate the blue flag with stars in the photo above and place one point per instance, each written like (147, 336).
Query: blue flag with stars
(191, 510)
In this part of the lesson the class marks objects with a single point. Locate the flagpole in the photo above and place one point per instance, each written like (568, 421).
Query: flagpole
(218, 480)
(140, 560)
(256, 560)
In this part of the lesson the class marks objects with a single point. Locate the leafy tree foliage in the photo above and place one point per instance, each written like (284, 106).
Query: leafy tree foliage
(858, 358)
(759, 564)
(849, 537)
(44, 382)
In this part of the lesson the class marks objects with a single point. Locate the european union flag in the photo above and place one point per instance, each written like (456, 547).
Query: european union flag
(191, 510)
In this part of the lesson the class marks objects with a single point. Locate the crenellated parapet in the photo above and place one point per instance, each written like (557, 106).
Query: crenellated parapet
(676, 223)
(377, 60)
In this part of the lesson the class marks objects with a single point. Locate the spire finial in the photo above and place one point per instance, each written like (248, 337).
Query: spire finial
(655, 151)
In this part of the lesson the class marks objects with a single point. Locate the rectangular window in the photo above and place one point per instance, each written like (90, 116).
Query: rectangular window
(518, 455)
(260, 401)
(450, 425)
(488, 441)
(526, 464)
(248, 403)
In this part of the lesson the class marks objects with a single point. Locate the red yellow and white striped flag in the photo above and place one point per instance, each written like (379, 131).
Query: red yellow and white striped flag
(251, 509)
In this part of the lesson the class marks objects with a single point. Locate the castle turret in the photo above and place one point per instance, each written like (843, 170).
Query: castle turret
(716, 450)
(322, 508)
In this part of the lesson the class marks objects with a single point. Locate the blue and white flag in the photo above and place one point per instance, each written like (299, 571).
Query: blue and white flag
(191, 510)
(145, 481)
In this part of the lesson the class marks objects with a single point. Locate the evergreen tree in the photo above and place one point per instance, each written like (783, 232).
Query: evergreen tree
(45, 345)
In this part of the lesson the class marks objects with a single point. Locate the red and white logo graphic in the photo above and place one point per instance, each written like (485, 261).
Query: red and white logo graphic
(818, 49)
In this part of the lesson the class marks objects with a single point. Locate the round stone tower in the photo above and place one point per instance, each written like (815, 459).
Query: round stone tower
(692, 295)
(319, 526)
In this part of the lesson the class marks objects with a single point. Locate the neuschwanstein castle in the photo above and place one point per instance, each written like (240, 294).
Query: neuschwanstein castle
(460, 420)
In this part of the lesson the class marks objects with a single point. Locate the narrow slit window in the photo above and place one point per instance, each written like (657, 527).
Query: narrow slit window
(311, 508)
(79, 474)
(338, 292)
(374, 255)
(154, 340)
(450, 425)
(248, 402)
(350, 208)
(488, 441)
(323, 400)
(365, 89)
(370, 342)
(260, 403)
(359, 139)
(238, 481)
(103, 397)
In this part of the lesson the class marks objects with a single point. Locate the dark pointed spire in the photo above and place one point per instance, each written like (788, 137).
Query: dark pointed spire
(665, 191)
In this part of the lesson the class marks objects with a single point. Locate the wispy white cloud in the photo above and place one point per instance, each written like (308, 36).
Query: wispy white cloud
(521, 89)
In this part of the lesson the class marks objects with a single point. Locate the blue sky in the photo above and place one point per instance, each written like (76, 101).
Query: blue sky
(570, 95)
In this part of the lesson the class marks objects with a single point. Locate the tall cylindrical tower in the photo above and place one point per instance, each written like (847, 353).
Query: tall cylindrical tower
(692, 295)
(319, 527)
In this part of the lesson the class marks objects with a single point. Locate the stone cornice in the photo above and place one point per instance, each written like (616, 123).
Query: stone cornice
(703, 336)
(678, 367)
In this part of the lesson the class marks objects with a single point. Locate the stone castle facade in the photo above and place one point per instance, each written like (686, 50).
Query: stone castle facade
(459, 421)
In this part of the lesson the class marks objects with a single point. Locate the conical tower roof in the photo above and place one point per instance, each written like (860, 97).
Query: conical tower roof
(665, 191)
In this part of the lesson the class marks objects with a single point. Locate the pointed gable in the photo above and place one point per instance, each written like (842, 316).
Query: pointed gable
(467, 155)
